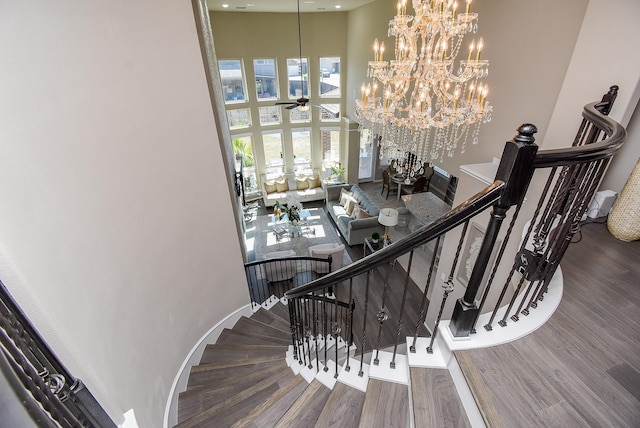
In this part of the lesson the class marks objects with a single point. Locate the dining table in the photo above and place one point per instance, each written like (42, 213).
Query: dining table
(402, 180)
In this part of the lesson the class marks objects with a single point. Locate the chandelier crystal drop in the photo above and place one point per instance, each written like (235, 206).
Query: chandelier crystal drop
(426, 101)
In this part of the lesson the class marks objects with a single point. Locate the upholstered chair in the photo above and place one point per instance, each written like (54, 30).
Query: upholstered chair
(322, 251)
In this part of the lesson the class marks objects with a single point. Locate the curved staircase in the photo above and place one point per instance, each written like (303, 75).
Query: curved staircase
(243, 381)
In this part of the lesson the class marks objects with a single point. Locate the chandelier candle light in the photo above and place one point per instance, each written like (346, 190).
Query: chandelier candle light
(425, 101)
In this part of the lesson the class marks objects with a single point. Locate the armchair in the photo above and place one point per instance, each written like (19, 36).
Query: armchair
(322, 251)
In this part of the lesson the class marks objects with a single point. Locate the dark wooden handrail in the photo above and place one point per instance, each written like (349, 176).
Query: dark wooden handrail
(458, 215)
(575, 155)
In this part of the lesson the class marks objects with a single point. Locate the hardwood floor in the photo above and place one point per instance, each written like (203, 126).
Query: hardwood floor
(582, 368)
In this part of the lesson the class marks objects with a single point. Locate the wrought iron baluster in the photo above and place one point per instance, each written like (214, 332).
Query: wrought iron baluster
(401, 316)
(423, 304)
(364, 323)
(448, 286)
(347, 366)
(382, 315)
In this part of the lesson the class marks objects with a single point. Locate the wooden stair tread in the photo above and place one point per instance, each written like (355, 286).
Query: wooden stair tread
(240, 337)
(199, 378)
(195, 399)
(271, 410)
(386, 405)
(304, 412)
(488, 408)
(269, 318)
(227, 412)
(256, 327)
(343, 407)
(281, 311)
(435, 399)
(237, 363)
(225, 352)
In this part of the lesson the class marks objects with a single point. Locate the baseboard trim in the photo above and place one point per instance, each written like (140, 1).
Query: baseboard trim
(193, 357)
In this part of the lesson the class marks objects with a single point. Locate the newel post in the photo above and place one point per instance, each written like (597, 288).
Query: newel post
(515, 169)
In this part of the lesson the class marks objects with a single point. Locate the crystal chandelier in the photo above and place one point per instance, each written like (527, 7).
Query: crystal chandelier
(425, 101)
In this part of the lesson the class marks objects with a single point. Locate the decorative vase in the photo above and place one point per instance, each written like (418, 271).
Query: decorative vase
(624, 218)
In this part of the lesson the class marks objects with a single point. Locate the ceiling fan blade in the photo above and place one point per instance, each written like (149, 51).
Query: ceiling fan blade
(291, 107)
(285, 103)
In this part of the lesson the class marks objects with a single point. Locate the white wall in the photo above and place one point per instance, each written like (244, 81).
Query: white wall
(117, 236)
(606, 54)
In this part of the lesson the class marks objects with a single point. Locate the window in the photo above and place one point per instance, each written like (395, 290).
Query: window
(329, 76)
(301, 150)
(270, 115)
(330, 139)
(298, 115)
(330, 112)
(298, 75)
(232, 77)
(243, 147)
(266, 79)
(273, 155)
(239, 118)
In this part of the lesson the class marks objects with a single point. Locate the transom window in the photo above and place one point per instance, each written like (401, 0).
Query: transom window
(233, 83)
(298, 75)
(266, 79)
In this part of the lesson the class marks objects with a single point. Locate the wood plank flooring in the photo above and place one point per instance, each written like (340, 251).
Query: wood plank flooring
(582, 368)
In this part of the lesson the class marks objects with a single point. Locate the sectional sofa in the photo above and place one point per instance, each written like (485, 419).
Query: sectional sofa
(353, 212)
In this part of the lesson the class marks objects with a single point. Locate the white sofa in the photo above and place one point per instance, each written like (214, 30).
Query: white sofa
(304, 188)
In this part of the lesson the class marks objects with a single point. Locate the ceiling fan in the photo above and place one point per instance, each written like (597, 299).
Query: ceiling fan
(301, 102)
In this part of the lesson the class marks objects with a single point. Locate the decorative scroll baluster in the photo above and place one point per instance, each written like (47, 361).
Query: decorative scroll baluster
(496, 264)
(448, 286)
(423, 304)
(505, 287)
(347, 366)
(364, 323)
(401, 316)
(324, 329)
(382, 315)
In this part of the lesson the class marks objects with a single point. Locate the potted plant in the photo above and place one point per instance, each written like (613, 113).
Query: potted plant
(375, 238)
(337, 171)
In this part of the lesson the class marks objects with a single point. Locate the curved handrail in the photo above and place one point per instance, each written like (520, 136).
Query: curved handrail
(580, 154)
(448, 221)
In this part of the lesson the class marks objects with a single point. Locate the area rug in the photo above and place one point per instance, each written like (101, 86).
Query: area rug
(261, 238)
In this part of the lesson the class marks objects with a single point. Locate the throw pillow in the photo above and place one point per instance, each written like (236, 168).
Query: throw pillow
(363, 214)
(354, 213)
(344, 197)
(351, 203)
(302, 183)
(282, 185)
(270, 187)
(313, 182)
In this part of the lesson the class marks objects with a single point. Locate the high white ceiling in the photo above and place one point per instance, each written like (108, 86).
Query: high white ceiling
(285, 5)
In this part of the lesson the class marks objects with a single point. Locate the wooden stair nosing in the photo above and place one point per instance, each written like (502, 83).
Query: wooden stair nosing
(306, 409)
(238, 337)
(197, 398)
(251, 325)
(234, 401)
(272, 409)
(197, 379)
(479, 390)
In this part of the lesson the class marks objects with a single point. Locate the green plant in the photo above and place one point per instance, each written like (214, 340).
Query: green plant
(240, 147)
(337, 170)
(375, 236)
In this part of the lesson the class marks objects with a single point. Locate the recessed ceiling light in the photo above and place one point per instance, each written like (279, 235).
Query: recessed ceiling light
(225, 5)
(338, 6)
